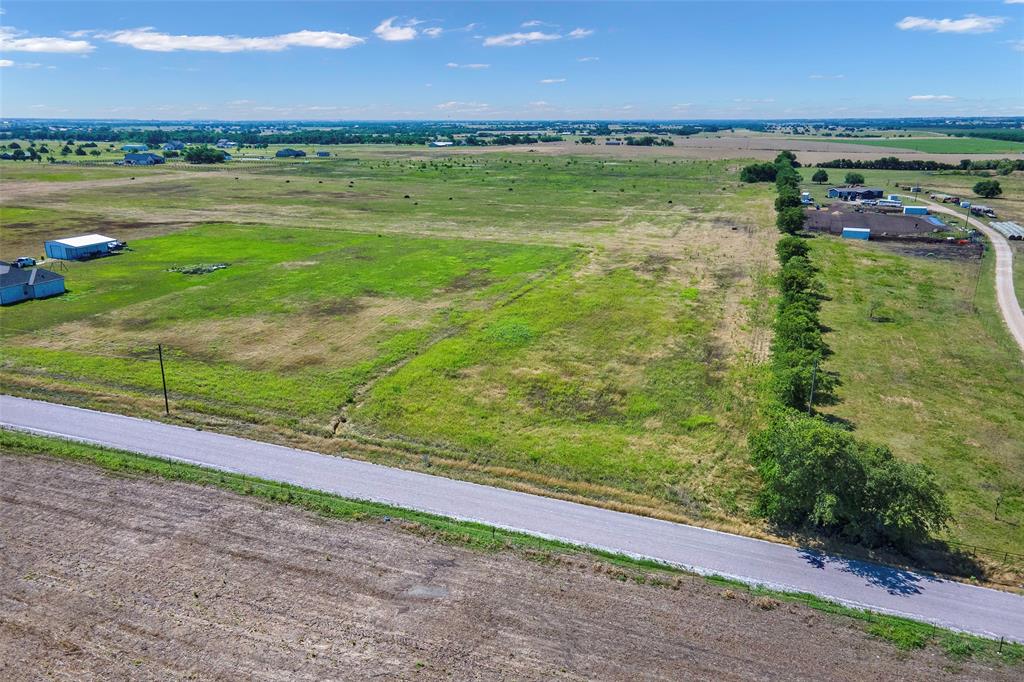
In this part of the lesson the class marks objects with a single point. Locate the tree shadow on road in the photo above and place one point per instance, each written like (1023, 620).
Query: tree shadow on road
(896, 581)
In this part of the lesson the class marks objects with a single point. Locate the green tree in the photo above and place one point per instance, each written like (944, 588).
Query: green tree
(759, 172)
(790, 219)
(988, 189)
(79, 151)
(854, 178)
(203, 154)
(820, 176)
(790, 246)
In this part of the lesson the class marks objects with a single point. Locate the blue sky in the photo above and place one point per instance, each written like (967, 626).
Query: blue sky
(494, 60)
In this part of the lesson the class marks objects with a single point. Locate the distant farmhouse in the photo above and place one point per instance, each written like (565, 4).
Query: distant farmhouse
(172, 146)
(226, 144)
(135, 148)
(288, 152)
(323, 154)
(146, 159)
(22, 284)
(855, 193)
(78, 248)
(440, 143)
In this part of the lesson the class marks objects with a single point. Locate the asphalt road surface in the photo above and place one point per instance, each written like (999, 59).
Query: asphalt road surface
(1009, 306)
(855, 583)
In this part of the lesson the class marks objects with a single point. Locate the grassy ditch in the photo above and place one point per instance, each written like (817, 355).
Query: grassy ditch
(903, 633)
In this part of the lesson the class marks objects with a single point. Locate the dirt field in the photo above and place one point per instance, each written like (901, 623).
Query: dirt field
(115, 578)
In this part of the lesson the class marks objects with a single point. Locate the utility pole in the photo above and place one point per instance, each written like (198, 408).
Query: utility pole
(163, 378)
(814, 378)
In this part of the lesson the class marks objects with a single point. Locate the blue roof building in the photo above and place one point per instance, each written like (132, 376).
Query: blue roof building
(135, 148)
(147, 159)
(22, 284)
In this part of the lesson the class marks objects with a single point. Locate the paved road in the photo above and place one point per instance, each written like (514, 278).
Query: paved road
(946, 603)
(1005, 296)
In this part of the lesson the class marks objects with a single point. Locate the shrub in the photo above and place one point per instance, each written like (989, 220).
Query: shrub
(790, 220)
(854, 178)
(759, 172)
(790, 246)
(988, 189)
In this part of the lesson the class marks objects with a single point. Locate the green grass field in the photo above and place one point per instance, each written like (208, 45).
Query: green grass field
(593, 328)
(923, 381)
(936, 145)
(586, 326)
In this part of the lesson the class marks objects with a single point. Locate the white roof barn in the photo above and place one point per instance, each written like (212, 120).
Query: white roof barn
(84, 240)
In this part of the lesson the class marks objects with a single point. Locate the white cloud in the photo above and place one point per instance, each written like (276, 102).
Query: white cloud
(1014, 2)
(931, 98)
(4, 63)
(455, 65)
(1017, 45)
(387, 30)
(588, 59)
(971, 23)
(517, 39)
(152, 40)
(433, 32)
(550, 81)
(463, 107)
(12, 40)
(580, 33)
(826, 77)
(532, 23)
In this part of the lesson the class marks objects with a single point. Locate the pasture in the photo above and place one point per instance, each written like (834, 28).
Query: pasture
(584, 326)
(592, 326)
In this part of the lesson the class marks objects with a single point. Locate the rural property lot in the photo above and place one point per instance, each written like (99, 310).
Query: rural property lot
(130, 577)
(585, 323)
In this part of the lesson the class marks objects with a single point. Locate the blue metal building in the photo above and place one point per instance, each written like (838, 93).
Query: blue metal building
(22, 284)
(856, 233)
(75, 248)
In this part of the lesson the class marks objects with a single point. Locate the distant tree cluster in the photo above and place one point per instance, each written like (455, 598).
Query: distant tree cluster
(894, 163)
(203, 154)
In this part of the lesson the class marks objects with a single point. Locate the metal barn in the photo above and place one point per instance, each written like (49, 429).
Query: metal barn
(75, 248)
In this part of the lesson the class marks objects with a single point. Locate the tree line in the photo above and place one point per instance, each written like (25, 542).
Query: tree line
(1002, 166)
(815, 473)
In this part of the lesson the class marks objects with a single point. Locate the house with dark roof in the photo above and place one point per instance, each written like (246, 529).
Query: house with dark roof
(146, 159)
(288, 152)
(172, 146)
(855, 193)
(22, 284)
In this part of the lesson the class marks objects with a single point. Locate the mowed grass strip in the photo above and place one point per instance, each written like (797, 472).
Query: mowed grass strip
(932, 376)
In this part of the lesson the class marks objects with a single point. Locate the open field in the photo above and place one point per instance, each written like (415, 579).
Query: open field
(583, 325)
(183, 579)
(920, 377)
(591, 326)
(934, 145)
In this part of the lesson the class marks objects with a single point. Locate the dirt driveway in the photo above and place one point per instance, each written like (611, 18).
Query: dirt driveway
(111, 578)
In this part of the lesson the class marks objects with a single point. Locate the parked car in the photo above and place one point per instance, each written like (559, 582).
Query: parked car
(25, 262)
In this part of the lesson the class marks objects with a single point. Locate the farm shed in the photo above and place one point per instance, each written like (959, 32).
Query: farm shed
(135, 148)
(74, 248)
(440, 143)
(288, 152)
(323, 154)
(172, 146)
(855, 193)
(856, 233)
(22, 284)
(146, 159)
(915, 210)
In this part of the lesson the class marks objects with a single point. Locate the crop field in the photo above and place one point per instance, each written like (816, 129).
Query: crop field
(936, 145)
(584, 326)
